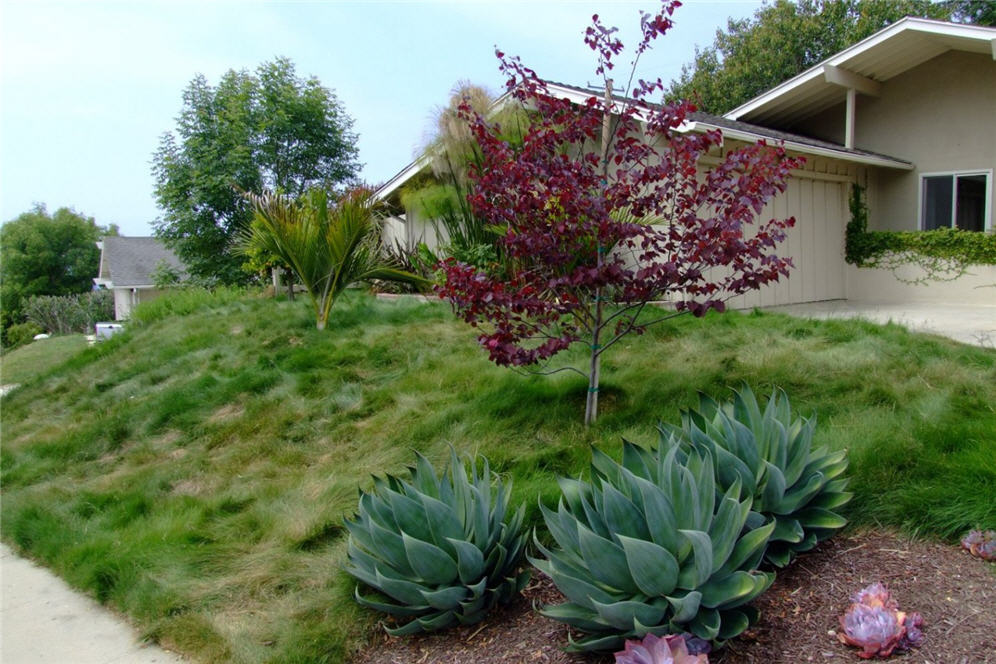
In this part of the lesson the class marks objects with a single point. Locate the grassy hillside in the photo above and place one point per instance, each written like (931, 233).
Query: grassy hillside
(195, 471)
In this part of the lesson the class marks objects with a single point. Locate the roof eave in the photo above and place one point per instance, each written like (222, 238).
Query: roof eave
(817, 71)
(866, 159)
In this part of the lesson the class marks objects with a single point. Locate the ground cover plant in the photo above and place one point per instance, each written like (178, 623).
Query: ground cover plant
(195, 471)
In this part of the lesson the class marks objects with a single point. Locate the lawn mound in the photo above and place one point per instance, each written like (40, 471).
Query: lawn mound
(954, 592)
(194, 472)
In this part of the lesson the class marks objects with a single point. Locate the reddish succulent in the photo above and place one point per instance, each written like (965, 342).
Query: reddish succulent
(674, 649)
(875, 624)
(981, 544)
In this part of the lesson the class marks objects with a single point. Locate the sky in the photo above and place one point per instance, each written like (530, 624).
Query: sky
(88, 87)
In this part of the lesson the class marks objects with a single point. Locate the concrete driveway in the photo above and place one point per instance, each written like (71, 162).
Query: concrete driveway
(974, 324)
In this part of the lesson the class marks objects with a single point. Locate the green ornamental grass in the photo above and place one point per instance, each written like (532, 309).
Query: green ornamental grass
(195, 471)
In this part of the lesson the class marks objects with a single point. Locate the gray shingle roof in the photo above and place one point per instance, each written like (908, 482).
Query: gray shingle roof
(130, 261)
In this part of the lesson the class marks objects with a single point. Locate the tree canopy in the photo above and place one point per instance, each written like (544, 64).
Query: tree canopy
(253, 131)
(786, 38)
(43, 254)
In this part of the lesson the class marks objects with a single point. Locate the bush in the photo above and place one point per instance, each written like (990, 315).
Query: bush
(21, 334)
(653, 549)
(443, 549)
(66, 314)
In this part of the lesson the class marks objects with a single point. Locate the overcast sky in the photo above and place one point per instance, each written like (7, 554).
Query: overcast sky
(88, 87)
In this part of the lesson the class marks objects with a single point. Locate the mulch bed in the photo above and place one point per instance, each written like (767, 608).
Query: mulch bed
(954, 592)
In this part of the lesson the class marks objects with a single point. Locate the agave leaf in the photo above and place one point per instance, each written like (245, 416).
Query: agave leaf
(730, 468)
(391, 548)
(406, 592)
(442, 522)
(831, 500)
(748, 548)
(800, 442)
(787, 530)
(705, 624)
(622, 517)
(733, 623)
(595, 643)
(376, 509)
(685, 606)
(799, 495)
(762, 581)
(424, 624)
(430, 563)
(606, 561)
(817, 517)
(447, 598)
(424, 475)
(392, 609)
(623, 615)
(637, 460)
(726, 524)
(470, 560)
(576, 590)
(652, 567)
(774, 487)
(575, 616)
(696, 571)
(410, 516)
(661, 521)
(779, 554)
(604, 466)
(724, 590)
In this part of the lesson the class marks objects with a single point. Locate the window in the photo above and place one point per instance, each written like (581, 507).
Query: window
(956, 200)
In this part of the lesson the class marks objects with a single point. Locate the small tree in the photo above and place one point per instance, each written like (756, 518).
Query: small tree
(328, 244)
(576, 198)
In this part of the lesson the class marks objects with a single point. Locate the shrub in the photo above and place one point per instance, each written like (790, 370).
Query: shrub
(66, 314)
(652, 549)
(21, 334)
(769, 454)
(443, 548)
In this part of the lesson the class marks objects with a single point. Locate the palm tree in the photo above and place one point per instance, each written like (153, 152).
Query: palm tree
(328, 244)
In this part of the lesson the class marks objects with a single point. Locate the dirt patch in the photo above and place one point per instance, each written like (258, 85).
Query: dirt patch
(955, 593)
(227, 412)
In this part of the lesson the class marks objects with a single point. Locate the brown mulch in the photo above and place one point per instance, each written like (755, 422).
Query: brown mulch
(954, 592)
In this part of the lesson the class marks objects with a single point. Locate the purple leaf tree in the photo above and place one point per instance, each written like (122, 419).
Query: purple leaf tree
(606, 207)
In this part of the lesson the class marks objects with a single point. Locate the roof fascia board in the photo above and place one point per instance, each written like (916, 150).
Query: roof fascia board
(908, 23)
(870, 160)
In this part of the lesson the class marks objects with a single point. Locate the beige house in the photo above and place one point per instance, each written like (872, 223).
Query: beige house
(908, 113)
(127, 265)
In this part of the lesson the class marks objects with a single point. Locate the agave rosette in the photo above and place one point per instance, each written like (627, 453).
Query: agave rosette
(770, 453)
(443, 550)
(652, 549)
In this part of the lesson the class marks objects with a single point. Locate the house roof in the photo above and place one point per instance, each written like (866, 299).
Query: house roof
(130, 261)
(696, 121)
(866, 65)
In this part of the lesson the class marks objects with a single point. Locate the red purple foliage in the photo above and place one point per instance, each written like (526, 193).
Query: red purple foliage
(573, 222)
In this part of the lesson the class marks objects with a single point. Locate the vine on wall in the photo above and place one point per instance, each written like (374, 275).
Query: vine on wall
(943, 254)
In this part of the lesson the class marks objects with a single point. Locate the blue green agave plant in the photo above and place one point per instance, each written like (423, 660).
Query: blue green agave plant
(770, 454)
(441, 549)
(652, 548)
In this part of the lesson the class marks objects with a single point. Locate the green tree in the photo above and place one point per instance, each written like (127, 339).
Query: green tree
(268, 129)
(786, 38)
(43, 254)
(329, 244)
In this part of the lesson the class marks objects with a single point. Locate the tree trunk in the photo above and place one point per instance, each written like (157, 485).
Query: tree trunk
(594, 370)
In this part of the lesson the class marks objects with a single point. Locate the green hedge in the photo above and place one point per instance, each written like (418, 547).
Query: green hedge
(866, 248)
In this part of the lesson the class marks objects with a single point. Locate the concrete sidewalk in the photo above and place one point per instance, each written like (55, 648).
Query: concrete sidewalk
(44, 621)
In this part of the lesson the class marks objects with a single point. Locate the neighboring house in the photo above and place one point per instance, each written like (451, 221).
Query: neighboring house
(126, 268)
(908, 113)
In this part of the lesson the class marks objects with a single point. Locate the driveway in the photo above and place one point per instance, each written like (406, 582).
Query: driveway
(968, 324)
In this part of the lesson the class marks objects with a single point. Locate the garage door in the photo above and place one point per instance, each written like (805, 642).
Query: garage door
(816, 245)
